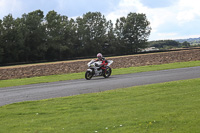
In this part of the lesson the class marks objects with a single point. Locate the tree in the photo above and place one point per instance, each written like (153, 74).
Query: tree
(1, 42)
(34, 37)
(121, 48)
(185, 44)
(110, 44)
(133, 31)
(76, 36)
(164, 44)
(20, 33)
(34, 33)
(8, 39)
(91, 30)
(57, 29)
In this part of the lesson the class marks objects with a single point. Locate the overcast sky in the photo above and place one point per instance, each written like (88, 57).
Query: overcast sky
(170, 19)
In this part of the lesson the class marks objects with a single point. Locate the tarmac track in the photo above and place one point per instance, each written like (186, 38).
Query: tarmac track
(10, 95)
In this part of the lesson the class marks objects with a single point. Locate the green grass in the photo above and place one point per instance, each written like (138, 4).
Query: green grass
(54, 78)
(41, 79)
(156, 67)
(158, 108)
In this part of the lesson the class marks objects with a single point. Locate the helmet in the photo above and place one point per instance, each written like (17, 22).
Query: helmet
(99, 56)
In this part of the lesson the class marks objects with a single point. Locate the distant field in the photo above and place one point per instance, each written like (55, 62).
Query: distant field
(54, 78)
(159, 108)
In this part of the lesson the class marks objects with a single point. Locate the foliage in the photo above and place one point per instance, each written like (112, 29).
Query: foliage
(92, 28)
(192, 41)
(164, 107)
(133, 32)
(168, 44)
(35, 37)
(162, 44)
(185, 44)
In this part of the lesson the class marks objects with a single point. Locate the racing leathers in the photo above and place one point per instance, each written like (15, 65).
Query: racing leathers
(103, 64)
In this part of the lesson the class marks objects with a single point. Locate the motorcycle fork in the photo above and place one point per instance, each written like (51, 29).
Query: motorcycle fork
(93, 71)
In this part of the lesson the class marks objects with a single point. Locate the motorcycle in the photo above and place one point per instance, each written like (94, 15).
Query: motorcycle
(95, 69)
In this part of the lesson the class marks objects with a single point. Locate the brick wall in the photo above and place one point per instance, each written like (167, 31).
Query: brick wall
(44, 69)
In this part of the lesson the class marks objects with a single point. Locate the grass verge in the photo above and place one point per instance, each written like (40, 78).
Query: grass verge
(54, 78)
(164, 107)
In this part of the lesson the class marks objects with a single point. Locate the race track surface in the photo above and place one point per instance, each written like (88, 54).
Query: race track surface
(74, 87)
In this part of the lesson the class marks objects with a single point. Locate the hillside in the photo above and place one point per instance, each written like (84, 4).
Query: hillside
(190, 40)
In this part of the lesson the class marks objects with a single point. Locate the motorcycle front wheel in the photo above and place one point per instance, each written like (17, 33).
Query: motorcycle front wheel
(88, 75)
(107, 72)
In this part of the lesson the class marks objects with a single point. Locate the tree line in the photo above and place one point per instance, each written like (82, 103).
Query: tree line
(168, 44)
(35, 37)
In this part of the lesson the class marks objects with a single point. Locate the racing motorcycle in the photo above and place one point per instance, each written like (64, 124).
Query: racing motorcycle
(95, 69)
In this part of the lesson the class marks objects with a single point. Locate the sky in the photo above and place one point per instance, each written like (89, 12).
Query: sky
(170, 19)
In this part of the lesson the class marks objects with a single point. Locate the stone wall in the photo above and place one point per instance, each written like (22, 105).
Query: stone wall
(25, 71)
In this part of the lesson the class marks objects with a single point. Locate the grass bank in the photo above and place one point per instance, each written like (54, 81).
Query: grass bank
(164, 107)
(54, 78)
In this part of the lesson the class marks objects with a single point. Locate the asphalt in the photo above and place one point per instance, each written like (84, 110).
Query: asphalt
(32, 92)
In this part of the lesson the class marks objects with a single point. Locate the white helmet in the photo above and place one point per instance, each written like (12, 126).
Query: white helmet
(99, 56)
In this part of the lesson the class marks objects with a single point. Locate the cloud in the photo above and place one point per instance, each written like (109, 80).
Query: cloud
(157, 3)
(10, 7)
(73, 8)
(154, 15)
(188, 10)
(167, 22)
(124, 7)
(169, 18)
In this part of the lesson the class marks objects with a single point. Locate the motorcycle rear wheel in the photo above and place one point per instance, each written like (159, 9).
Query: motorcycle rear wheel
(88, 75)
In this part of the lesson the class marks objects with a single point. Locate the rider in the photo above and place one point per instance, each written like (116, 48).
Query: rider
(104, 61)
